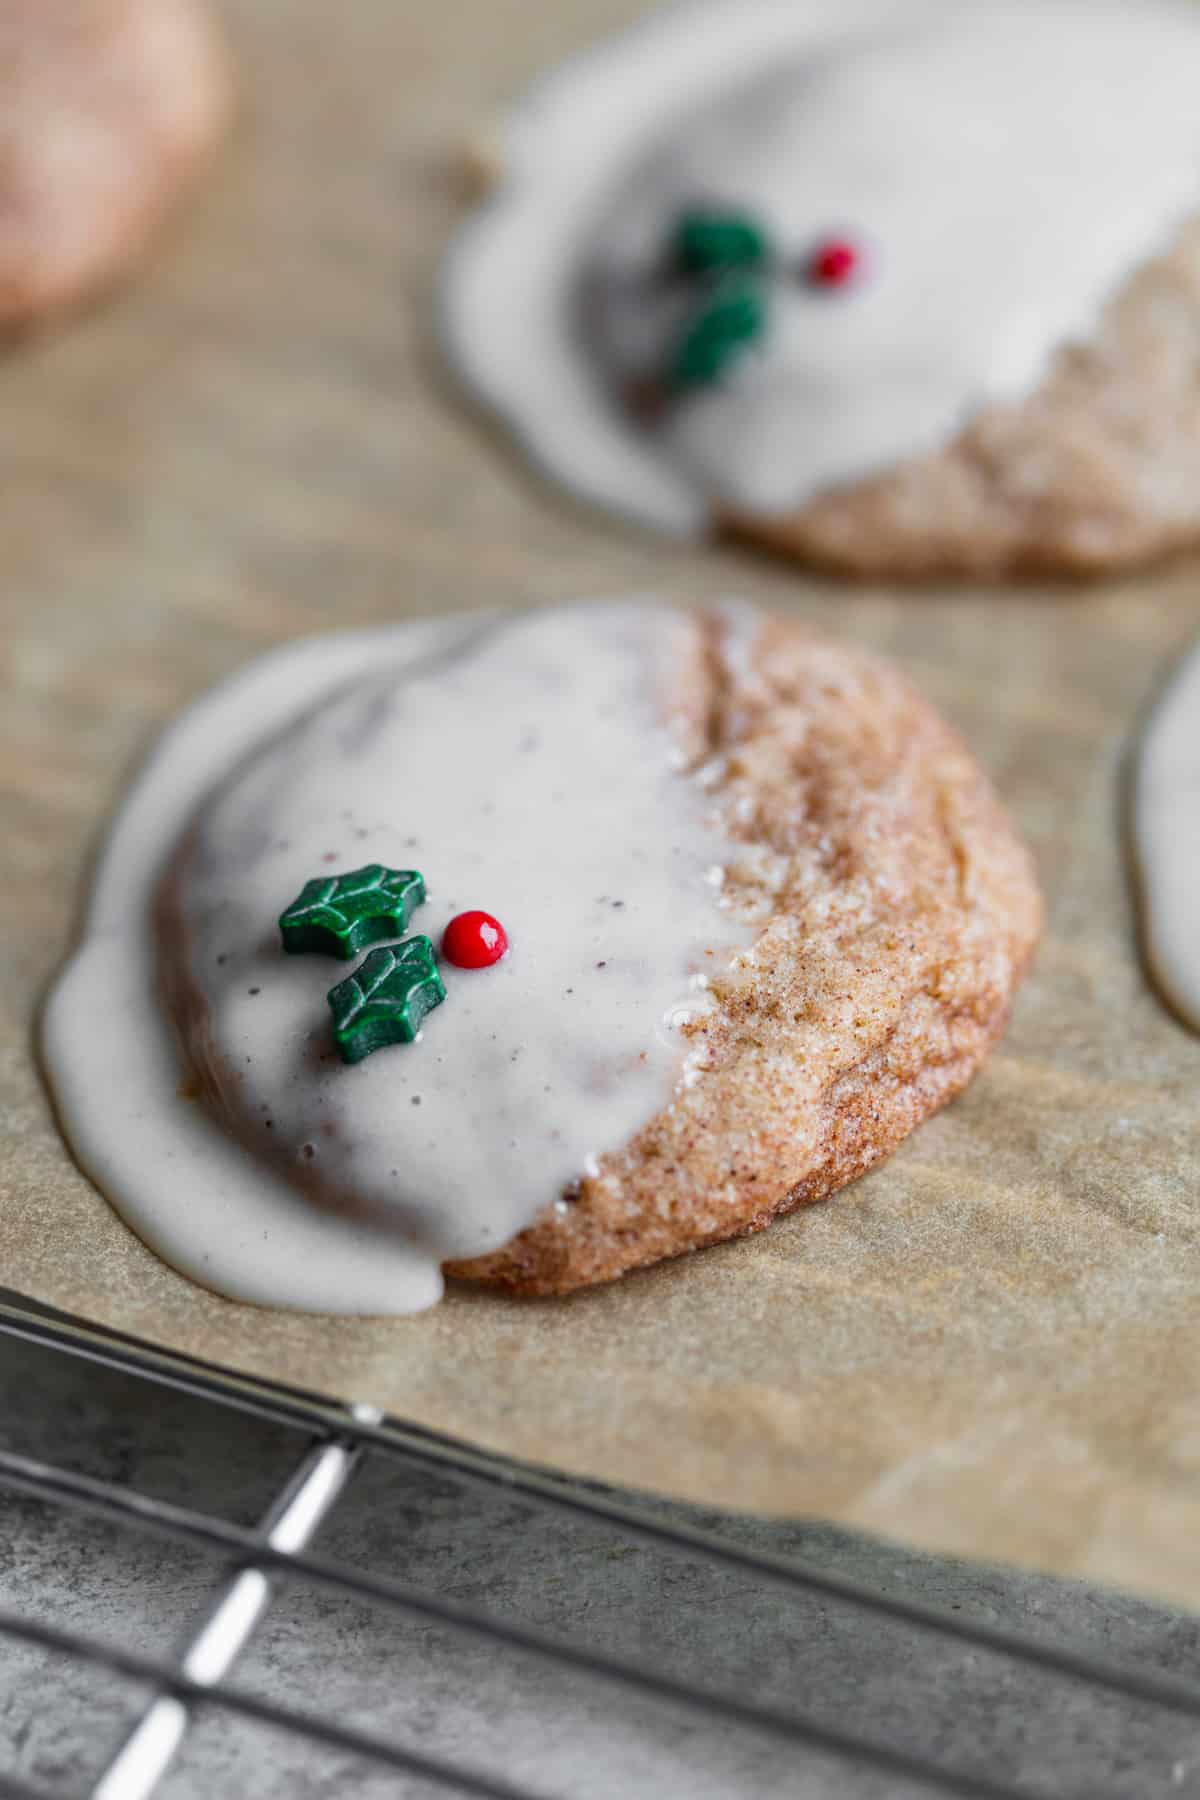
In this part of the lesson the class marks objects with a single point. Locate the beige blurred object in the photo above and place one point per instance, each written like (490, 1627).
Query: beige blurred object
(107, 109)
(990, 1345)
(481, 159)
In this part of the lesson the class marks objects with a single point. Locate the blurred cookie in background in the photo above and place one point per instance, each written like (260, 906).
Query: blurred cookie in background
(107, 110)
(889, 286)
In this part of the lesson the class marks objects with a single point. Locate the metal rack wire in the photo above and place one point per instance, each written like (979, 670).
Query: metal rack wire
(338, 1440)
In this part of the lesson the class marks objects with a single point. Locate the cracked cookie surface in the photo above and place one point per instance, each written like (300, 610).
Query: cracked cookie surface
(901, 911)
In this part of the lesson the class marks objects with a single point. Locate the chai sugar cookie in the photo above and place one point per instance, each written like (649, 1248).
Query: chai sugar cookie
(536, 947)
(893, 288)
(107, 109)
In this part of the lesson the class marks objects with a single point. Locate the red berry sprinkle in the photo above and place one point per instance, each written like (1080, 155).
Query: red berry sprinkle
(474, 940)
(834, 263)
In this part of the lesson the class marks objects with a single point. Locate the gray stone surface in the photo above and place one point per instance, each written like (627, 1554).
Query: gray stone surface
(561, 1734)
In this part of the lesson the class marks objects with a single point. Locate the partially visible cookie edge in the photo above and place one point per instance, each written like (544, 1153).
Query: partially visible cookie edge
(190, 119)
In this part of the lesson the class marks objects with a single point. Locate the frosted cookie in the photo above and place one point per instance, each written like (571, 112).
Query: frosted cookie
(107, 107)
(537, 948)
(892, 287)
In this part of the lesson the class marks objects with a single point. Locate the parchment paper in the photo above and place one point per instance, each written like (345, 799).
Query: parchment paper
(990, 1346)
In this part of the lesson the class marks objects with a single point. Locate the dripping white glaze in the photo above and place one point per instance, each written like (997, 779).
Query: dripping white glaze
(1166, 835)
(1006, 165)
(524, 766)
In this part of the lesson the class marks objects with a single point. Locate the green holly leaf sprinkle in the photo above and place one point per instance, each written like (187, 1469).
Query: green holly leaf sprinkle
(707, 242)
(385, 999)
(339, 915)
(730, 322)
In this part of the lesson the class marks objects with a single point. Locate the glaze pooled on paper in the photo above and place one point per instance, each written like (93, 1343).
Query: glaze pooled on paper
(1166, 835)
(524, 765)
(1000, 192)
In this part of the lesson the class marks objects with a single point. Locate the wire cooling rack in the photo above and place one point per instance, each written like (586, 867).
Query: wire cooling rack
(259, 1562)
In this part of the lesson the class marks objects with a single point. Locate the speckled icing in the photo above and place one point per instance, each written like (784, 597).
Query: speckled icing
(1166, 834)
(526, 765)
(1005, 166)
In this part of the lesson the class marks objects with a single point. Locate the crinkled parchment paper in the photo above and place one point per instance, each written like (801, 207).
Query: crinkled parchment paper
(992, 1345)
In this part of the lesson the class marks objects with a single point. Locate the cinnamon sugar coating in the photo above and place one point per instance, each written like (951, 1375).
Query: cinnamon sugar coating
(898, 913)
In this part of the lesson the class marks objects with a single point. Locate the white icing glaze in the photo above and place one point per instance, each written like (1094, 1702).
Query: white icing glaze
(1006, 163)
(524, 766)
(1166, 834)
